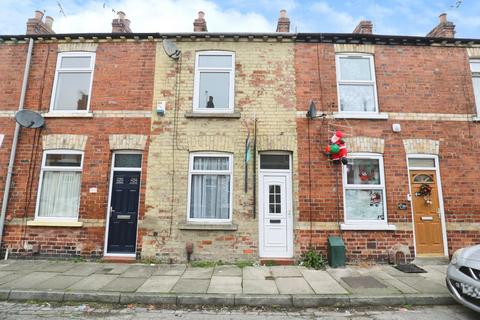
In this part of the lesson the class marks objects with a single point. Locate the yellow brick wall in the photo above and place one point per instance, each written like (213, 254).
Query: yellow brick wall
(265, 89)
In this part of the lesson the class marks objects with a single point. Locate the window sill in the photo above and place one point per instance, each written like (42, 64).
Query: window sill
(54, 223)
(386, 227)
(223, 115)
(476, 119)
(58, 114)
(208, 227)
(360, 115)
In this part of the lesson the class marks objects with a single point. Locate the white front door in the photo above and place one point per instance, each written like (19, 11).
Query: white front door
(276, 232)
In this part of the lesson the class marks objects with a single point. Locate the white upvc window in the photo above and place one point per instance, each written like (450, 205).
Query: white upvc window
(59, 187)
(356, 86)
(72, 86)
(364, 191)
(210, 188)
(214, 82)
(475, 67)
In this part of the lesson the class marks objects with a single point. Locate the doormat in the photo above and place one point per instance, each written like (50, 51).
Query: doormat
(410, 268)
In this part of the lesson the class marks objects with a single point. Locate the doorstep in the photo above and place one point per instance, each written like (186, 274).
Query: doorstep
(277, 261)
(119, 259)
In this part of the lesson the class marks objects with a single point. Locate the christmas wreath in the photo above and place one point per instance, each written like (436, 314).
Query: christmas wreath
(424, 190)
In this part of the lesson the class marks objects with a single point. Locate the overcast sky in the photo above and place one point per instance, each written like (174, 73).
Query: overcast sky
(399, 17)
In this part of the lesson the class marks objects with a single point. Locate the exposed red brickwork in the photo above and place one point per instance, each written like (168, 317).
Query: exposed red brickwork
(123, 80)
(409, 79)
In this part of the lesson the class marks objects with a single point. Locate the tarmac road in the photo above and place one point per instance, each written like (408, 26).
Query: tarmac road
(20, 311)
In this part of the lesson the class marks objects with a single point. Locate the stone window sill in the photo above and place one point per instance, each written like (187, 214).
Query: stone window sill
(222, 115)
(360, 115)
(54, 223)
(476, 119)
(63, 114)
(385, 227)
(208, 227)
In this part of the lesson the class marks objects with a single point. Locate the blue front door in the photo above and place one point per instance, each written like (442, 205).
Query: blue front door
(122, 231)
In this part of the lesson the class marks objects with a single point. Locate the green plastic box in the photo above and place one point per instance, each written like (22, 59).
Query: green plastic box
(336, 252)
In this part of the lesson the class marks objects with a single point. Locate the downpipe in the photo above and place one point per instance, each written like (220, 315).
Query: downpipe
(13, 152)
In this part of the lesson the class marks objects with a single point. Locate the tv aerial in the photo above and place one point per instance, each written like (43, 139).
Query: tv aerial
(171, 49)
(29, 119)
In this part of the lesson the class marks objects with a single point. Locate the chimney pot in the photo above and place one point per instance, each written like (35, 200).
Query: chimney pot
(49, 21)
(443, 18)
(283, 24)
(200, 24)
(36, 25)
(121, 24)
(121, 15)
(39, 15)
(444, 29)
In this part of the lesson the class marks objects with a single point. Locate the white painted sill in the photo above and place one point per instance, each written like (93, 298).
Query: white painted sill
(360, 115)
(364, 227)
(223, 115)
(476, 119)
(63, 114)
(54, 223)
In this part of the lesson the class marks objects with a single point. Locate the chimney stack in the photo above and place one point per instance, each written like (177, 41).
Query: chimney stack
(364, 27)
(200, 24)
(36, 25)
(121, 24)
(283, 24)
(444, 29)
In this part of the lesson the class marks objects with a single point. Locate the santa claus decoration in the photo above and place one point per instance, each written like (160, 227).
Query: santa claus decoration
(337, 150)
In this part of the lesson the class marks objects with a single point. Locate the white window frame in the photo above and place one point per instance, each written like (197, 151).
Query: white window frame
(366, 224)
(362, 114)
(44, 168)
(210, 172)
(475, 75)
(198, 70)
(59, 70)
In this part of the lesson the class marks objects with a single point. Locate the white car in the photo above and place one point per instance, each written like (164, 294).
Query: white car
(463, 277)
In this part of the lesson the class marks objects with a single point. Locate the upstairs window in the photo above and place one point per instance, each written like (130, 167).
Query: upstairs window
(357, 92)
(214, 81)
(475, 67)
(59, 192)
(73, 82)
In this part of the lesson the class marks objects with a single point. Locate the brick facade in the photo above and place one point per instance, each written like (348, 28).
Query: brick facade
(120, 106)
(264, 88)
(428, 91)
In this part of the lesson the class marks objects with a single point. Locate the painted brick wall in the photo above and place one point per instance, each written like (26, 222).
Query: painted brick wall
(433, 81)
(121, 103)
(264, 87)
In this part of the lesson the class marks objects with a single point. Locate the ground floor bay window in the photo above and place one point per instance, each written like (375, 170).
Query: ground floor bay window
(210, 188)
(364, 193)
(59, 187)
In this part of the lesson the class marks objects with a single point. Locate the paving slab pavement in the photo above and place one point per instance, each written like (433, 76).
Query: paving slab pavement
(224, 284)
(228, 284)
(163, 284)
(92, 283)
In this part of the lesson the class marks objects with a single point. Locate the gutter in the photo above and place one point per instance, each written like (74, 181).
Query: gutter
(13, 152)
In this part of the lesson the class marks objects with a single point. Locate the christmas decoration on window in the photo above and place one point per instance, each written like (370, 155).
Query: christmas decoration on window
(425, 191)
(375, 198)
(337, 150)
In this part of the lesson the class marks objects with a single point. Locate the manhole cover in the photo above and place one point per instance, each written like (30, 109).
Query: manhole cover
(363, 282)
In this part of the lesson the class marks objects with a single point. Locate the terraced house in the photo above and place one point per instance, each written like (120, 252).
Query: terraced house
(210, 146)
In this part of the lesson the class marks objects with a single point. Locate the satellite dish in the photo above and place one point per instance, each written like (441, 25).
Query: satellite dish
(29, 119)
(171, 49)
(312, 110)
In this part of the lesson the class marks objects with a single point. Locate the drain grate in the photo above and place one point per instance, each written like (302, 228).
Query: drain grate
(409, 268)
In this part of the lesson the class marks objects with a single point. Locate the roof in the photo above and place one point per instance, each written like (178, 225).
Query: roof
(352, 38)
